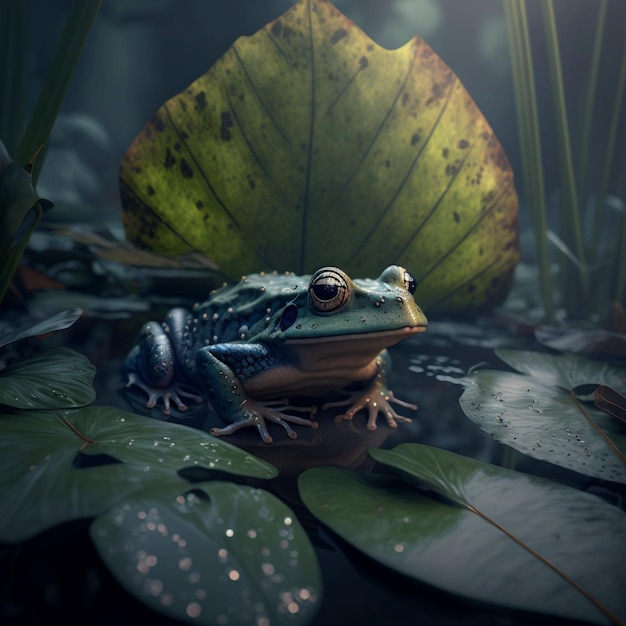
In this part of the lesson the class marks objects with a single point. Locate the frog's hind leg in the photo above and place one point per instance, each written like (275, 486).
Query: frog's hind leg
(152, 366)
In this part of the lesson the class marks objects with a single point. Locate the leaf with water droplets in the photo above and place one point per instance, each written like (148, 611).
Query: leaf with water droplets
(473, 541)
(308, 144)
(539, 414)
(51, 467)
(217, 553)
(57, 379)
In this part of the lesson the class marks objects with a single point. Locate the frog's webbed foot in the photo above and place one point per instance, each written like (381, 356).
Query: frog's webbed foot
(377, 399)
(173, 393)
(255, 413)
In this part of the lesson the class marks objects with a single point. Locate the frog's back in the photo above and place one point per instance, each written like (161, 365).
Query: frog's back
(241, 311)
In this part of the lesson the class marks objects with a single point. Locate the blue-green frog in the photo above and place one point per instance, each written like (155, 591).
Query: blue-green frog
(275, 336)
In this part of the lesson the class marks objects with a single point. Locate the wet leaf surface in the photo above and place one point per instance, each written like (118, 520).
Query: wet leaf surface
(41, 483)
(447, 545)
(307, 144)
(216, 554)
(57, 379)
(539, 414)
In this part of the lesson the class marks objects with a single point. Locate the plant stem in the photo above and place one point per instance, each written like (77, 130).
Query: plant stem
(530, 142)
(570, 207)
(77, 27)
(608, 160)
(587, 114)
(13, 61)
(620, 273)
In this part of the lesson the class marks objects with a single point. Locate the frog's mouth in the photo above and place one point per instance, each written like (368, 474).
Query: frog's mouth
(351, 350)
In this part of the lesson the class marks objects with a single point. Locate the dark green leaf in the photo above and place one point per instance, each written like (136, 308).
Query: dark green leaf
(40, 485)
(453, 548)
(217, 554)
(70, 45)
(60, 321)
(57, 379)
(539, 415)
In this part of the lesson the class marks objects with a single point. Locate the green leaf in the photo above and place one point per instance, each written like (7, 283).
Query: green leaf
(77, 26)
(57, 379)
(307, 144)
(43, 484)
(463, 552)
(217, 554)
(20, 211)
(540, 415)
(60, 321)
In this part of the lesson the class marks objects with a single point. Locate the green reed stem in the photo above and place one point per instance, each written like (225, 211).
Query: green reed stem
(587, 111)
(13, 71)
(530, 141)
(620, 273)
(570, 208)
(77, 27)
(608, 160)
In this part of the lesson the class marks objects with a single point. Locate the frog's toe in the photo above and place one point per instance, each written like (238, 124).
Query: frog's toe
(257, 414)
(256, 421)
(169, 394)
(375, 400)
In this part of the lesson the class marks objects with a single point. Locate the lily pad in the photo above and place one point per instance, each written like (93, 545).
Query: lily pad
(307, 144)
(218, 554)
(42, 483)
(540, 415)
(489, 540)
(57, 379)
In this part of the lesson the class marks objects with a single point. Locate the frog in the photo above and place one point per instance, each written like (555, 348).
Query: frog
(253, 345)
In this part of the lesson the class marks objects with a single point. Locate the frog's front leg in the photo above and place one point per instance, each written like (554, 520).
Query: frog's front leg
(222, 369)
(376, 397)
(154, 364)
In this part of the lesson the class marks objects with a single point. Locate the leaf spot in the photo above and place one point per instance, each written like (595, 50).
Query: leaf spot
(227, 123)
(185, 170)
(169, 159)
(201, 101)
(338, 35)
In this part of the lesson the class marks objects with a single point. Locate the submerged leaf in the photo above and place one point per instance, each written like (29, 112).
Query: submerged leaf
(219, 553)
(539, 414)
(454, 548)
(308, 144)
(42, 484)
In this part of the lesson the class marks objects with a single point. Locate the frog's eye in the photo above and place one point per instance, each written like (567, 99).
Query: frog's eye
(409, 283)
(328, 290)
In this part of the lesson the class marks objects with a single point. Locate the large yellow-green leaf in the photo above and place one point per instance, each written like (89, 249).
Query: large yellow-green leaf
(308, 144)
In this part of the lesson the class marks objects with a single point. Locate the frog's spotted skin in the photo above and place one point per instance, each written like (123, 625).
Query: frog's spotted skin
(273, 336)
